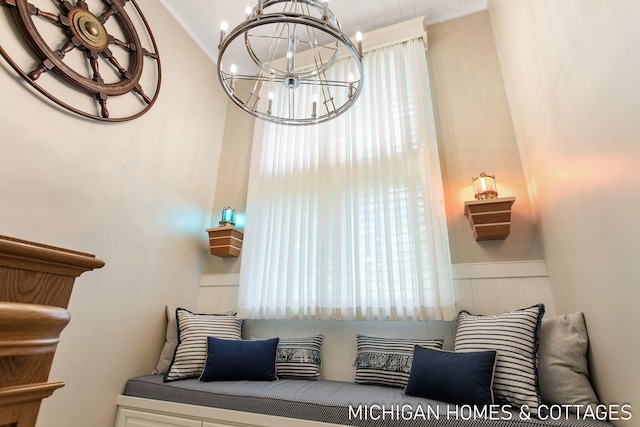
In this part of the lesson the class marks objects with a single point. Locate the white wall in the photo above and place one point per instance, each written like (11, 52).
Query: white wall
(571, 72)
(136, 194)
(475, 134)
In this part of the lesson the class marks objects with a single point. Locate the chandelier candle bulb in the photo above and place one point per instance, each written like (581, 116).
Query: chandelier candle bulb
(260, 7)
(234, 70)
(325, 9)
(314, 106)
(247, 12)
(269, 107)
(223, 32)
(359, 41)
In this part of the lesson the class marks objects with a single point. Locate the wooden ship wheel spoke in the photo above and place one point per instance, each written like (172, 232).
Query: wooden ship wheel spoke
(86, 31)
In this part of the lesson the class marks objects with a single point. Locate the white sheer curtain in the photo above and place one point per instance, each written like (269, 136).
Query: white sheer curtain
(346, 220)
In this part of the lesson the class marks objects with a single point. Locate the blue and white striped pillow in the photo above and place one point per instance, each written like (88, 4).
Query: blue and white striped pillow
(387, 361)
(193, 331)
(514, 335)
(299, 358)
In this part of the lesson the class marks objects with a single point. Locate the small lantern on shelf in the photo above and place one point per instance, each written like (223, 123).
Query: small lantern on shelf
(489, 216)
(226, 240)
(484, 187)
(228, 217)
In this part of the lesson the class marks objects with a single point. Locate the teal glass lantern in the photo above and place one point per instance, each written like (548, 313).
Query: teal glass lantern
(228, 217)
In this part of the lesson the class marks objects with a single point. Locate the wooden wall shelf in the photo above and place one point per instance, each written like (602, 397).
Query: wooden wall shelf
(490, 219)
(225, 241)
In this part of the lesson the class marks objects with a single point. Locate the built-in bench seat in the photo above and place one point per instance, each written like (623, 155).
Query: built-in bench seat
(341, 397)
(286, 402)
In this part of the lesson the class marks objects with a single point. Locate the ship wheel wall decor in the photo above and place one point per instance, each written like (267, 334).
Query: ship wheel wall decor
(87, 55)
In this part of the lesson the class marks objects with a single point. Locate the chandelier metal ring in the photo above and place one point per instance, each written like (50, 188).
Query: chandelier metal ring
(320, 43)
(329, 19)
(294, 19)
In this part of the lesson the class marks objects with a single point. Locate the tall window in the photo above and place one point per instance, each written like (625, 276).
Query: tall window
(346, 220)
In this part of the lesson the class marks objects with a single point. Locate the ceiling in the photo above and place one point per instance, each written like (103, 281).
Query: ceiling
(202, 18)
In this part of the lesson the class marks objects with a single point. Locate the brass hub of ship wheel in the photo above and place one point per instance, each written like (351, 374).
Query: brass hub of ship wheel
(89, 30)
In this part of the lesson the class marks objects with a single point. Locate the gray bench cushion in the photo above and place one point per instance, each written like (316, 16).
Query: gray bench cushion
(325, 401)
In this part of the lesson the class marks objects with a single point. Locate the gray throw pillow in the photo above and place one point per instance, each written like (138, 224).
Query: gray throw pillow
(563, 372)
(170, 344)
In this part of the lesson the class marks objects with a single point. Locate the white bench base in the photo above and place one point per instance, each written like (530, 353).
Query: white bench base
(140, 412)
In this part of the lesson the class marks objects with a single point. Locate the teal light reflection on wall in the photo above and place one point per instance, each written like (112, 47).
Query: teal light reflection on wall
(240, 220)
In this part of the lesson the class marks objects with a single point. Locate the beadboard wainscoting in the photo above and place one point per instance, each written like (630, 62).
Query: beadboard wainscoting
(492, 288)
(218, 293)
(483, 288)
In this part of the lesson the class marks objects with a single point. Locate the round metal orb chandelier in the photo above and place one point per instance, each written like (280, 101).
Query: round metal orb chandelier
(280, 63)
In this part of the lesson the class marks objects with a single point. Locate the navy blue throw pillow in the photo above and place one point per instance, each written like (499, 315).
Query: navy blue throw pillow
(240, 360)
(461, 378)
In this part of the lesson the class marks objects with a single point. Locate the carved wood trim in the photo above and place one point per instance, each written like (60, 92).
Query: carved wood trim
(36, 282)
(22, 254)
(30, 329)
(27, 393)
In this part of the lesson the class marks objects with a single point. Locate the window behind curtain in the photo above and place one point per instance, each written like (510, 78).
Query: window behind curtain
(345, 220)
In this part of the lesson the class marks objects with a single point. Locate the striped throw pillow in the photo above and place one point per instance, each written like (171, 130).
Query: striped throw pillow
(387, 361)
(514, 335)
(193, 331)
(171, 340)
(299, 358)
